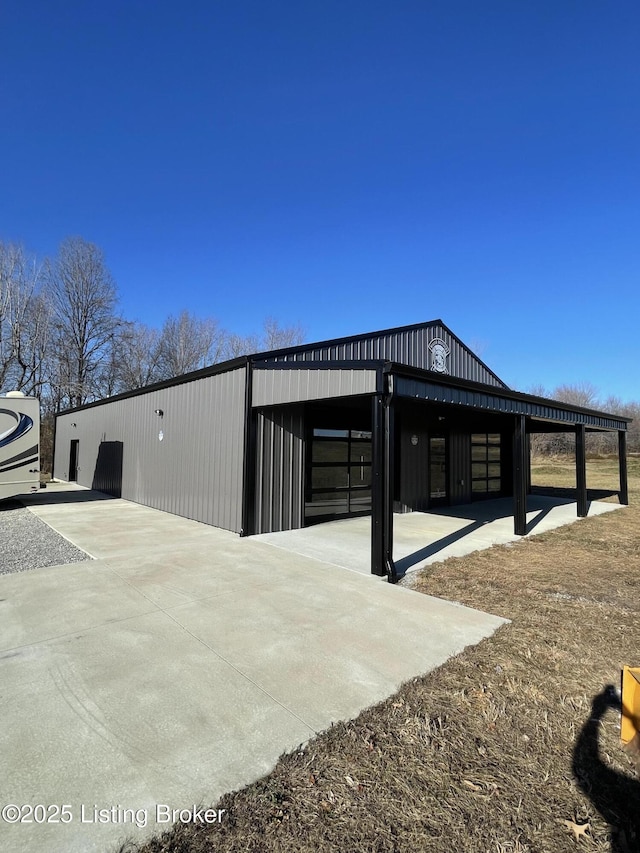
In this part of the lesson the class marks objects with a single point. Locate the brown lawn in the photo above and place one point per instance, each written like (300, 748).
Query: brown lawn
(479, 755)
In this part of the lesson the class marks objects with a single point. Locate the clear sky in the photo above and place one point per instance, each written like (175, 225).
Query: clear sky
(349, 165)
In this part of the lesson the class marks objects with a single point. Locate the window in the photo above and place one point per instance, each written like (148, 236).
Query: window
(339, 474)
(486, 472)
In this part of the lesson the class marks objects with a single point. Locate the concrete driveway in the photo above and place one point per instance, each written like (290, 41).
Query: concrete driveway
(180, 663)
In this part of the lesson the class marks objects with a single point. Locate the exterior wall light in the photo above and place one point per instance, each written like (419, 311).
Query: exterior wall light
(159, 412)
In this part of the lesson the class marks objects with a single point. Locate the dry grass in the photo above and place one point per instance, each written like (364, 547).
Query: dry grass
(477, 756)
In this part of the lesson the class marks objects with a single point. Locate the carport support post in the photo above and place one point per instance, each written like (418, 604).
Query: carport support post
(382, 427)
(581, 471)
(377, 486)
(389, 453)
(519, 476)
(622, 462)
(249, 466)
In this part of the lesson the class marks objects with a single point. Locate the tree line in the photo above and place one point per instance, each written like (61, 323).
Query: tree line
(63, 338)
(587, 396)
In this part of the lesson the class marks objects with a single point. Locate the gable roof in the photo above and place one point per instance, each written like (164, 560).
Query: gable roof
(414, 346)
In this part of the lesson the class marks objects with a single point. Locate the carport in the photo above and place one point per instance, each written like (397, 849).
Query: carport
(462, 401)
(420, 439)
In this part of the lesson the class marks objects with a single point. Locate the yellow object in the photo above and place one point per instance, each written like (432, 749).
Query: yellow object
(630, 723)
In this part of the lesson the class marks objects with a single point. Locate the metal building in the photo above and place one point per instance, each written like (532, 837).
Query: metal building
(392, 421)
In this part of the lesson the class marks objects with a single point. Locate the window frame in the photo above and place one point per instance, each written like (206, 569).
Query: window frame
(486, 441)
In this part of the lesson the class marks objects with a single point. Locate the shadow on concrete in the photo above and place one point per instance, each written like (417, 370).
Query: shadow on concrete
(9, 504)
(542, 514)
(478, 515)
(405, 563)
(492, 510)
(570, 494)
(50, 497)
(615, 795)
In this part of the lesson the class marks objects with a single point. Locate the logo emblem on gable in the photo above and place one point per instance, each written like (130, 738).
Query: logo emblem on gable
(439, 355)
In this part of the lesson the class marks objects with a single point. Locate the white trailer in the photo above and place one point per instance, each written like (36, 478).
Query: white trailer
(19, 444)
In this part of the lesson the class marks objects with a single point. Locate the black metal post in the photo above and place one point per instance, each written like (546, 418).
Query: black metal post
(377, 486)
(389, 454)
(622, 462)
(519, 476)
(249, 466)
(581, 471)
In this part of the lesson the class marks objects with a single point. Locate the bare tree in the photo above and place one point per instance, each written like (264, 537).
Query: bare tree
(32, 345)
(188, 343)
(632, 410)
(84, 299)
(136, 358)
(238, 345)
(7, 278)
(581, 394)
(586, 395)
(278, 337)
(24, 320)
(273, 337)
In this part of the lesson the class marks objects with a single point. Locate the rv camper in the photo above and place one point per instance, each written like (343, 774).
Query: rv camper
(19, 444)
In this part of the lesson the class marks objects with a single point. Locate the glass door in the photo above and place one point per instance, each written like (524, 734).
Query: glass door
(339, 474)
(437, 469)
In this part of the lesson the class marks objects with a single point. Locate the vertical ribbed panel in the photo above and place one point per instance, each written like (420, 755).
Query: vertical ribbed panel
(279, 470)
(413, 459)
(405, 346)
(272, 387)
(459, 466)
(195, 471)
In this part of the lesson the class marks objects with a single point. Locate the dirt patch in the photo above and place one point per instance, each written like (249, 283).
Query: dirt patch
(498, 750)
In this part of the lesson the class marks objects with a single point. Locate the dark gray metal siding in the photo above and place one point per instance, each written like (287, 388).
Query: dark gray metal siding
(405, 346)
(412, 491)
(459, 466)
(488, 402)
(279, 470)
(272, 387)
(412, 475)
(195, 471)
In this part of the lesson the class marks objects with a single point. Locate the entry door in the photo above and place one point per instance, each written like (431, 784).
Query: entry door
(438, 493)
(73, 460)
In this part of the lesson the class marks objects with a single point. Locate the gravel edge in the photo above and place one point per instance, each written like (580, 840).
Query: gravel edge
(27, 542)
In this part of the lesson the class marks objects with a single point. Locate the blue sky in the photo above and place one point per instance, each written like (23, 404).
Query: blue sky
(344, 165)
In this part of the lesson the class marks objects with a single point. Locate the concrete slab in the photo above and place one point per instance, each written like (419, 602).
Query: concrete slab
(423, 538)
(183, 662)
(132, 716)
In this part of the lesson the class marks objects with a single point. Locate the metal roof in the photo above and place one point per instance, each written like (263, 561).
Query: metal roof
(424, 385)
(412, 382)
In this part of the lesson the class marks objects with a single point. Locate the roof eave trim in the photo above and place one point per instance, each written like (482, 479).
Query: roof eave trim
(416, 373)
(193, 376)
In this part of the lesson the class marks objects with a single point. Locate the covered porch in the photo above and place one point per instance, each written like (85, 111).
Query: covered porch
(384, 441)
(520, 415)
(421, 538)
